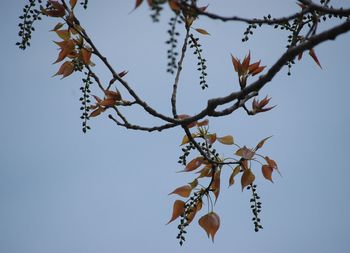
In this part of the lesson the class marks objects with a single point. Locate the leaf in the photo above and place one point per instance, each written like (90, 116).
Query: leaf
(194, 164)
(202, 31)
(236, 63)
(107, 102)
(272, 164)
(66, 69)
(210, 223)
(115, 95)
(137, 4)
(228, 140)
(267, 172)
(245, 63)
(96, 112)
(174, 5)
(261, 143)
(216, 184)
(185, 139)
(205, 172)
(183, 191)
(314, 57)
(235, 171)
(194, 183)
(63, 34)
(86, 55)
(211, 138)
(57, 27)
(178, 209)
(247, 178)
(245, 153)
(72, 3)
(66, 49)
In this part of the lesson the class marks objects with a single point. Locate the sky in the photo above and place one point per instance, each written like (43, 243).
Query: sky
(107, 190)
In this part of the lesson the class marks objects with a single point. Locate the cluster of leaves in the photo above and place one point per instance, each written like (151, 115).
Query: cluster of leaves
(210, 166)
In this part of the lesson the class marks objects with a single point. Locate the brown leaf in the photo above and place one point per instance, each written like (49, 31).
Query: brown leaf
(211, 138)
(258, 70)
(314, 57)
(210, 223)
(63, 34)
(236, 63)
(174, 5)
(216, 184)
(202, 31)
(96, 112)
(115, 95)
(107, 102)
(194, 164)
(194, 183)
(245, 153)
(72, 3)
(247, 178)
(185, 139)
(205, 172)
(66, 69)
(245, 63)
(261, 143)
(86, 55)
(203, 123)
(138, 3)
(183, 191)
(228, 140)
(267, 172)
(57, 27)
(235, 171)
(178, 209)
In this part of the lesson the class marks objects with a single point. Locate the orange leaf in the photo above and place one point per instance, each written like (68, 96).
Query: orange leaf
(174, 5)
(210, 223)
(228, 140)
(178, 209)
(72, 3)
(194, 164)
(313, 55)
(258, 70)
(183, 191)
(194, 183)
(247, 178)
(267, 172)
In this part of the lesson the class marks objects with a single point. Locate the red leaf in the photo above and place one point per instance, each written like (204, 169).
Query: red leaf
(313, 55)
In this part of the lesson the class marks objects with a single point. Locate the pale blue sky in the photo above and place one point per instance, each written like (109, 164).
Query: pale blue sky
(106, 191)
